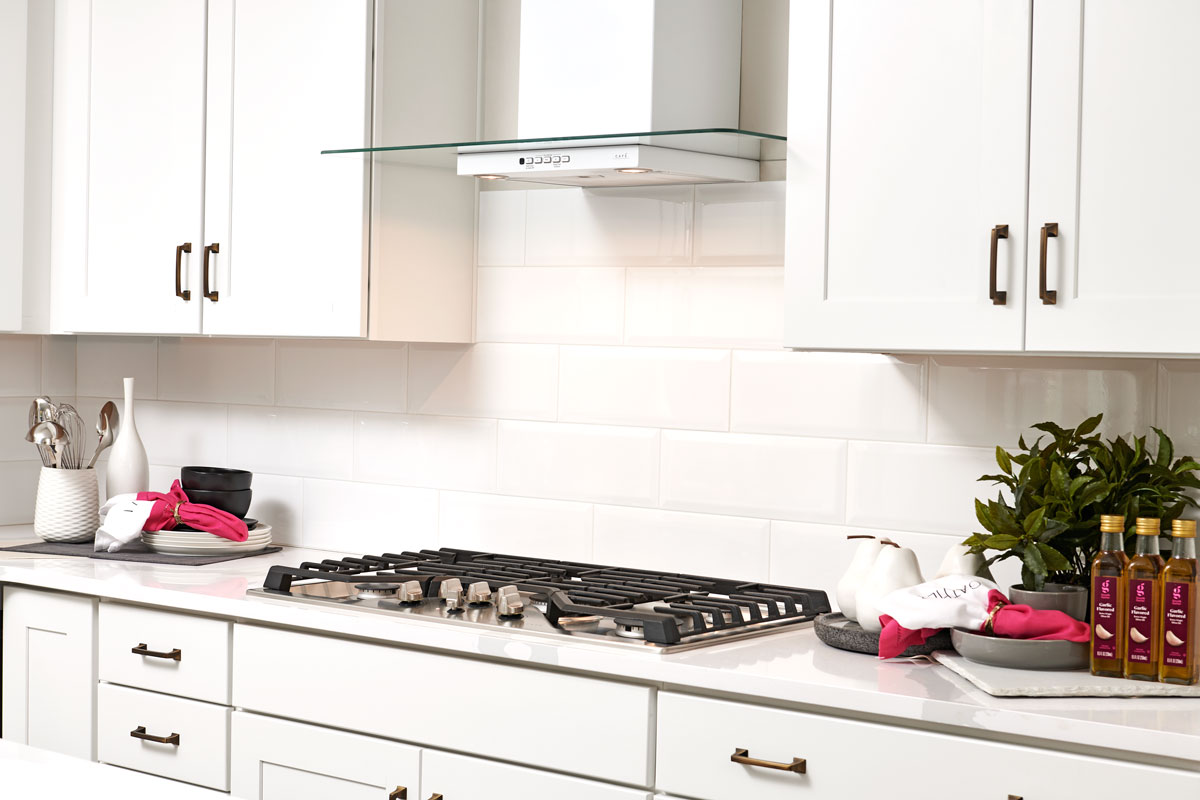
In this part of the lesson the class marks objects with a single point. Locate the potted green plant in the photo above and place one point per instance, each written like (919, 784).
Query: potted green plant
(1047, 513)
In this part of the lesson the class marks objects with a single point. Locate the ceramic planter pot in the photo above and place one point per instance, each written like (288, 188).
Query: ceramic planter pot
(1073, 600)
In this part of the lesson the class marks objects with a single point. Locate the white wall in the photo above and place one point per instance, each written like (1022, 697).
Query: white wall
(628, 403)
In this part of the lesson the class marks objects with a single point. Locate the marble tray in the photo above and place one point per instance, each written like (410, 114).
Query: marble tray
(1004, 682)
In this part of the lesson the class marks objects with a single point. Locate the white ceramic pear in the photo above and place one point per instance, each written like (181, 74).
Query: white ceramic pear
(860, 566)
(895, 568)
(959, 561)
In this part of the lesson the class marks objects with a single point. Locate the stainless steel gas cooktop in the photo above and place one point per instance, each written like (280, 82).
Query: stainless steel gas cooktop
(659, 611)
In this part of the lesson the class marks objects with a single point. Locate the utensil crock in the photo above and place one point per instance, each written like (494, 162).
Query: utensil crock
(68, 505)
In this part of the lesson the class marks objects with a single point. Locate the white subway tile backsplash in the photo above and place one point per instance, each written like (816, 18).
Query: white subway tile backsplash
(1179, 404)
(279, 502)
(599, 463)
(507, 381)
(217, 370)
(843, 395)
(704, 306)
(916, 487)
(103, 361)
(501, 231)
(182, 434)
(582, 305)
(660, 387)
(292, 441)
(619, 226)
(417, 450)
(697, 544)
(351, 375)
(58, 366)
(18, 489)
(555, 529)
(754, 475)
(20, 366)
(739, 223)
(368, 518)
(992, 401)
(14, 421)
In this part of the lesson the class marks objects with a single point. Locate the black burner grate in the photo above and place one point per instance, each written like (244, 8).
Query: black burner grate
(661, 607)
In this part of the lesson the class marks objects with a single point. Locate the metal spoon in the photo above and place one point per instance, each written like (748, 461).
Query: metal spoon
(106, 429)
(52, 435)
(43, 452)
(46, 410)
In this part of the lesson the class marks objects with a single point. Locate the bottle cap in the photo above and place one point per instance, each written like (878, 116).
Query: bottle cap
(1183, 528)
(1112, 523)
(1149, 526)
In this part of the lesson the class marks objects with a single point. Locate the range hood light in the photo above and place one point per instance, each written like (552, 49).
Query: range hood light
(492, 177)
(634, 171)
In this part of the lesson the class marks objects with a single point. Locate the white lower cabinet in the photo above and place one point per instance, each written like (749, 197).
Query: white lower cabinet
(274, 759)
(849, 759)
(463, 778)
(182, 739)
(49, 675)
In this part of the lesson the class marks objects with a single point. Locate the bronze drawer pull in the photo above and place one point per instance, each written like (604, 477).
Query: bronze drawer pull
(399, 793)
(435, 796)
(140, 733)
(1015, 797)
(742, 756)
(1049, 296)
(186, 247)
(213, 295)
(174, 655)
(998, 298)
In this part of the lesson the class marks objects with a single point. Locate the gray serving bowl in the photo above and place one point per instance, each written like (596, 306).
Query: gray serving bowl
(1042, 654)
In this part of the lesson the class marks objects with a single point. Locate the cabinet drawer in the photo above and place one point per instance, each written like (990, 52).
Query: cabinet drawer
(847, 758)
(200, 668)
(460, 776)
(275, 758)
(445, 701)
(200, 754)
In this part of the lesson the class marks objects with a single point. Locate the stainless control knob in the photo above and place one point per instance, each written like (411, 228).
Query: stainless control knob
(479, 594)
(509, 602)
(410, 592)
(451, 593)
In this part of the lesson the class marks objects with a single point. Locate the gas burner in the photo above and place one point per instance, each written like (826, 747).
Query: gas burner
(660, 611)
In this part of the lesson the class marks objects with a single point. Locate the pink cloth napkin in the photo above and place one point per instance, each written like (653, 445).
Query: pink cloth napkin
(174, 509)
(1009, 621)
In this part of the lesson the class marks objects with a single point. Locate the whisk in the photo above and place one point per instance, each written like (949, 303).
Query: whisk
(72, 422)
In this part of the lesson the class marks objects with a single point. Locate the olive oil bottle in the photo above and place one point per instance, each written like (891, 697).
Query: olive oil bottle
(1108, 599)
(1179, 625)
(1144, 623)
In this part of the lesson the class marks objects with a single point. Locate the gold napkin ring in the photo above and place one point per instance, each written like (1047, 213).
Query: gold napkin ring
(987, 625)
(176, 513)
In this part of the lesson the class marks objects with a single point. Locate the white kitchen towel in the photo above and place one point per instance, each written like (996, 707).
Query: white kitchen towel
(121, 521)
(952, 601)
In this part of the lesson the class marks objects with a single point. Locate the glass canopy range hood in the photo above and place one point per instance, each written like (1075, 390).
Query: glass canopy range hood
(704, 155)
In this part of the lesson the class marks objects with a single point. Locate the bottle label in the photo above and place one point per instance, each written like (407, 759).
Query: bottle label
(1141, 621)
(1177, 624)
(1105, 622)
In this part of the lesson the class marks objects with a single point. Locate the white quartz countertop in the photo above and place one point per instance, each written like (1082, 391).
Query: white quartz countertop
(792, 667)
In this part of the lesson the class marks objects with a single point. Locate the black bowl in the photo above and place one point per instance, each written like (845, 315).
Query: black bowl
(236, 503)
(215, 479)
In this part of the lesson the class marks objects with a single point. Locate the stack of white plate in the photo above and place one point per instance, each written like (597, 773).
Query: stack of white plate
(198, 543)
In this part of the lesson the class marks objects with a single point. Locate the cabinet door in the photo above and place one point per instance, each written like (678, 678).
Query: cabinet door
(907, 128)
(273, 759)
(287, 80)
(13, 28)
(1114, 165)
(128, 165)
(459, 776)
(49, 671)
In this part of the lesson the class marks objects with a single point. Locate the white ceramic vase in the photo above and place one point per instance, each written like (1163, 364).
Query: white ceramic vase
(128, 466)
(68, 505)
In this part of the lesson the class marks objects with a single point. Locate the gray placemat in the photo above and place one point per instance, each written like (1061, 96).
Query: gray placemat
(84, 550)
(1003, 682)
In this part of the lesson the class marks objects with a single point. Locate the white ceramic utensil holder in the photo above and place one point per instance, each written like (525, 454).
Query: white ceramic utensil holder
(68, 505)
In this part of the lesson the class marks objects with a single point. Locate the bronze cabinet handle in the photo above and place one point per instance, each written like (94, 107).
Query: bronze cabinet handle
(399, 793)
(140, 733)
(1049, 297)
(742, 756)
(174, 655)
(998, 298)
(215, 247)
(186, 247)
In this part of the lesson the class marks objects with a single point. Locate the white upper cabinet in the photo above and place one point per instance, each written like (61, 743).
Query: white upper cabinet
(13, 26)
(129, 165)
(1114, 165)
(906, 150)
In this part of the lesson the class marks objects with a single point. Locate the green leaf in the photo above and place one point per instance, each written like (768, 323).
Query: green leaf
(1088, 425)
(1001, 541)
(1005, 521)
(1058, 479)
(985, 518)
(1081, 481)
(1166, 451)
(1035, 521)
(1054, 560)
(1186, 465)
(1032, 557)
(1003, 460)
